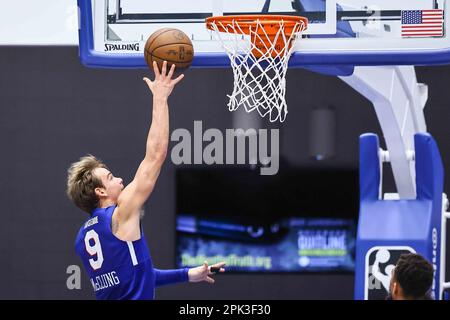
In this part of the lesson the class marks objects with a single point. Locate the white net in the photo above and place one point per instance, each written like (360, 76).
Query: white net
(259, 64)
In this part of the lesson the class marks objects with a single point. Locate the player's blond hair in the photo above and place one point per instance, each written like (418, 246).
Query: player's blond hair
(81, 183)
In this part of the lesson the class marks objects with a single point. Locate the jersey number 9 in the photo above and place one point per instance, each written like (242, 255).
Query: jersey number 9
(94, 250)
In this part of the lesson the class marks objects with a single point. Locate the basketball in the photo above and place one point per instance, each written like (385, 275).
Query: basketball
(171, 45)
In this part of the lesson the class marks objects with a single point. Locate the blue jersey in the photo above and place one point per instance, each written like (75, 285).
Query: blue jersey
(119, 269)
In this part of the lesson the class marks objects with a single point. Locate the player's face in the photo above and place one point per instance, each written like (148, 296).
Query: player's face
(112, 185)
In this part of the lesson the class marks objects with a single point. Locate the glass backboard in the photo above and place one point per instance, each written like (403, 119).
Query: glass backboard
(340, 32)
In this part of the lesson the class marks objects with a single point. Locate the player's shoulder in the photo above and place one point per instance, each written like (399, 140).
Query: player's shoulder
(100, 219)
(93, 220)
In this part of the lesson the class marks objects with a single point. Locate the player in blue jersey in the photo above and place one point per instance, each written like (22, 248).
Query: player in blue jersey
(111, 242)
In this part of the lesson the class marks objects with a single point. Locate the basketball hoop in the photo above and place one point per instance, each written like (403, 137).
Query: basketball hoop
(259, 65)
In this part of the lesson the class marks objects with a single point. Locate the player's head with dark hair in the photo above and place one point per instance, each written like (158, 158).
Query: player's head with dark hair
(412, 278)
(89, 181)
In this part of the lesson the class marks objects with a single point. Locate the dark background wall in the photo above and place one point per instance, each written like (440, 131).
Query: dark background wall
(53, 110)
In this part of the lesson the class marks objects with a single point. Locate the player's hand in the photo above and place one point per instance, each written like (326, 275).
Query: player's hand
(204, 272)
(163, 84)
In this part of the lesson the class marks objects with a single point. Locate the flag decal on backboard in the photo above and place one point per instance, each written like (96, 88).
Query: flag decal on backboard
(423, 23)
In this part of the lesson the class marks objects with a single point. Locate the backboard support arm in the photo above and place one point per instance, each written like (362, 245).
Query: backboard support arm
(398, 100)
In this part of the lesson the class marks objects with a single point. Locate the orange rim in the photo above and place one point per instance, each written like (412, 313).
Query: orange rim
(271, 23)
(266, 34)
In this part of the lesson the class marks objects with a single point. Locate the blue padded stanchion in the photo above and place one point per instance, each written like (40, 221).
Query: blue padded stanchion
(388, 228)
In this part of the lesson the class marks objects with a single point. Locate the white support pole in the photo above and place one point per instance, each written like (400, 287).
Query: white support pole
(398, 101)
(445, 215)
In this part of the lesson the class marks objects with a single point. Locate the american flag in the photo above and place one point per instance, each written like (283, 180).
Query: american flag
(422, 23)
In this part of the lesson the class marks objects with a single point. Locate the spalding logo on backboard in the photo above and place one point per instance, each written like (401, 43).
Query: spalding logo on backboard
(380, 261)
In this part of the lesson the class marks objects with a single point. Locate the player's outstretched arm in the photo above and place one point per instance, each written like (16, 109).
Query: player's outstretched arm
(197, 274)
(136, 193)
